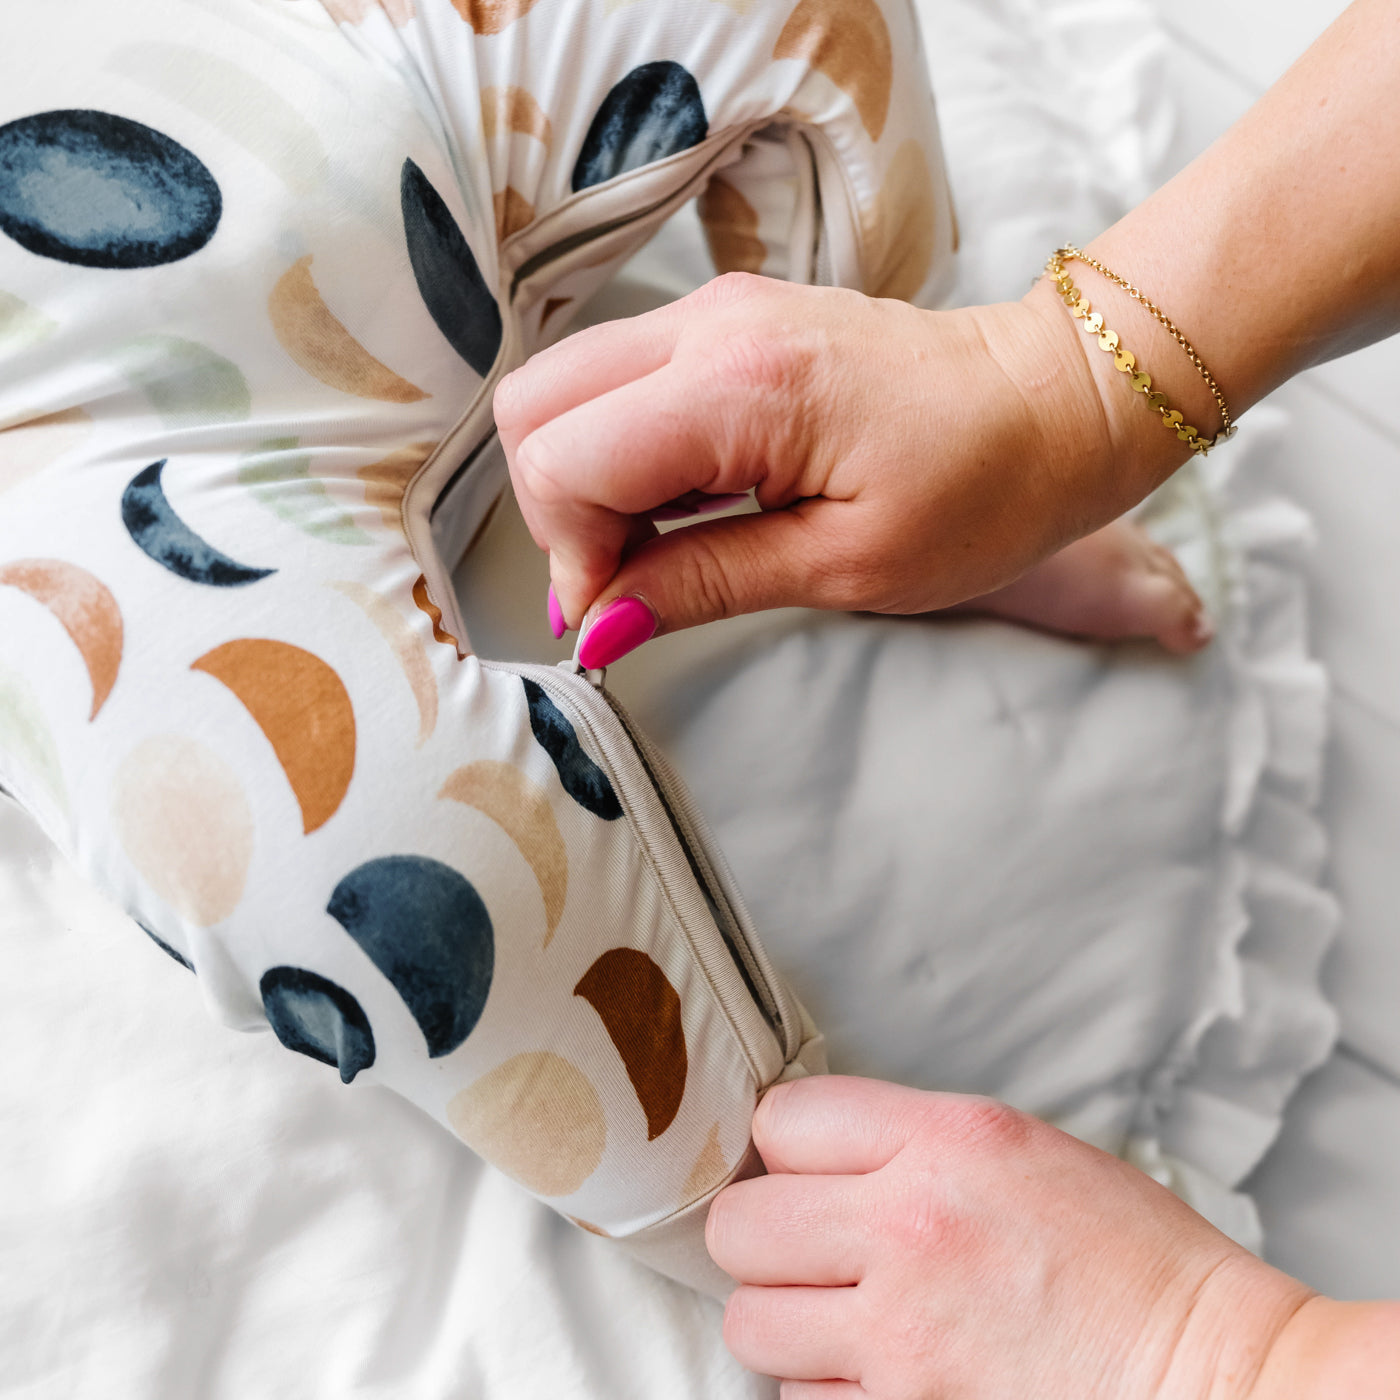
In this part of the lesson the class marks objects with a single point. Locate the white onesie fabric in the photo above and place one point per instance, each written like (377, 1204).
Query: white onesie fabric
(263, 263)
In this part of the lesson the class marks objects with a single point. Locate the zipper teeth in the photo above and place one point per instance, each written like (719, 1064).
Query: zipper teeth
(741, 957)
(545, 256)
(728, 923)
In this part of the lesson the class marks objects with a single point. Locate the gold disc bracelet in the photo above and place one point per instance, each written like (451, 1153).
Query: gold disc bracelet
(1091, 323)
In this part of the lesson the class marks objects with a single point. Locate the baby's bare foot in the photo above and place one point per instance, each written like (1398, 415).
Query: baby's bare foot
(1109, 586)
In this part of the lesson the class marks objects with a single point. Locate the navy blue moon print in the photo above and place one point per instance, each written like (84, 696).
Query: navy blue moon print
(103, 191)
(449, 280)
(425, 928)
(165, 947)
(313, 1016)
(160, 533)
(652, 113)
(583, 780)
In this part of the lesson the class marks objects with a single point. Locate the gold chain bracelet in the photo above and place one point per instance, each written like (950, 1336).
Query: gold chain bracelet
(1091, 323)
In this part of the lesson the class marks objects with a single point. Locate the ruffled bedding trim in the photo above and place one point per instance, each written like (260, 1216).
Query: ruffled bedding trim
(1214, 1105)
(1064, 123)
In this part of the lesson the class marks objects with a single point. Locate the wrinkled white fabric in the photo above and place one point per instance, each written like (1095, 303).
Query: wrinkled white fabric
(1099, 900)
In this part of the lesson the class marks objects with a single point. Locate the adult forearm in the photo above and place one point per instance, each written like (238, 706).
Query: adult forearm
(1276, 249)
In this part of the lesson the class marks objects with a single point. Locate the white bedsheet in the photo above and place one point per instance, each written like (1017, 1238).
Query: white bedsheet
(1079, 879)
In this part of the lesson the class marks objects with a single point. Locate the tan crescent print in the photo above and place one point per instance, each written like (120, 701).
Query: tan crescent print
(900, 230)
(320, 343)
(849, 41)
(521, 809)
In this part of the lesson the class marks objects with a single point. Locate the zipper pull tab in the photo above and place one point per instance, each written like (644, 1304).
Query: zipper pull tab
(576, 668)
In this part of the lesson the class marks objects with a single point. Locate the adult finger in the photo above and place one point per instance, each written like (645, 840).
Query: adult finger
(781, 1230)
(590, 362)
(626, 453)
(821, 1390)
(836, 1125)
(803, 1334)
(745, 563)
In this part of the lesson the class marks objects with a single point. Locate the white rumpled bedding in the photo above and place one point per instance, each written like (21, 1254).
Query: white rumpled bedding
(1081, 879)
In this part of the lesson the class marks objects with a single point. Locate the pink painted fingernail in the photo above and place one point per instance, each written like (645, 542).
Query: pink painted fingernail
(695, 503)
(557, 625)
(621, 627)
(710, 504)
(1204, 628)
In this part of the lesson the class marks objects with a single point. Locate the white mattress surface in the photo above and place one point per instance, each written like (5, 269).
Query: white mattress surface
(1081, 879)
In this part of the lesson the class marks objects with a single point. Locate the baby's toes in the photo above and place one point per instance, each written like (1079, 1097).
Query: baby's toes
(1161, 603)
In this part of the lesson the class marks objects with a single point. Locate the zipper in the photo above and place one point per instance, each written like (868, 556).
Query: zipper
(545, 256)
(734, 964)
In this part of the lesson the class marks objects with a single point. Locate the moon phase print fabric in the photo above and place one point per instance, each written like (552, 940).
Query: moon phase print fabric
(255, 295)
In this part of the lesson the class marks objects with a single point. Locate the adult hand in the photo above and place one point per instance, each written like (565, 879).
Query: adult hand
(908, 1245)
(904, 460)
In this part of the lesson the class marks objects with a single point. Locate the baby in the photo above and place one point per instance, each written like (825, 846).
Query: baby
(263, 263)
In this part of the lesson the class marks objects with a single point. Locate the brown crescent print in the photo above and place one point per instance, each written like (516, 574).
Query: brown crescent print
(513, 109)
(492, 16)
(642, 1014)
(513, 213)
(426, 605)
(303, 708)
(731, 228)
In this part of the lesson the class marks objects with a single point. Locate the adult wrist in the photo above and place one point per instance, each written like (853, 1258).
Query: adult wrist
(1328, 1350)
(1135, 455)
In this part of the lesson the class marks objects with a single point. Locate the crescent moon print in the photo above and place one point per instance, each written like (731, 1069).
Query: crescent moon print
(36, 444)
(513, 109)
(433, 613)
(185, 824)
(355, 11)
(185, 381)
(21, 325)
(98, 190)
(387, 479)
(26, 738)
(521, 809)
(513, 212)
(425, 928)
(583, 780)
(709, 1170)
(849, 41)
(652, 113)
(161, 535)
(278, 472)
(492, 16)
(303, 708)
(230, 97)
(318, 341)
(731, 228)
(407, 648)
(642, 1013)
(310, 1014)
(165, 947)
(538, 1119)
(85, 607)
(449, 280)
(901, 226)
